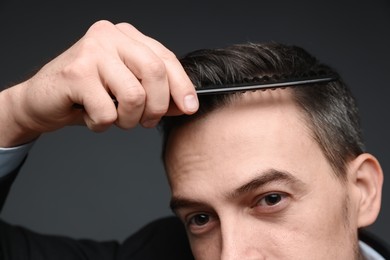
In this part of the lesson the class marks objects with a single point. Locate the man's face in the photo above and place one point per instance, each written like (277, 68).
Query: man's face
(249, 182)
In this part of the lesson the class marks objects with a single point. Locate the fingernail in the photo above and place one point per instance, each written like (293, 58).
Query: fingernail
(191, 103)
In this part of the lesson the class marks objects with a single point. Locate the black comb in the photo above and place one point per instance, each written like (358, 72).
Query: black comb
(264, 83)
(258, 83)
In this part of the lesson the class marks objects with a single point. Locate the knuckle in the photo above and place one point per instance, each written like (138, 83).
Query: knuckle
(83, 62)
(101, 123)
(105, 120)
(157, 112)
(88, 45)
(168, 55)
(134, 97)
(99, 26)
(78, 69)
(126, 26)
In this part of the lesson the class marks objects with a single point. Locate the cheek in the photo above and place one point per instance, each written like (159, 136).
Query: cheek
(319, 228)
(318, 215)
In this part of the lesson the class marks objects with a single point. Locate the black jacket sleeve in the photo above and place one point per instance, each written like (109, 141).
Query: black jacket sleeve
(162, 239)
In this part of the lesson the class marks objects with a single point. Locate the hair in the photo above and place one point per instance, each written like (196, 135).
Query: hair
(330, 111)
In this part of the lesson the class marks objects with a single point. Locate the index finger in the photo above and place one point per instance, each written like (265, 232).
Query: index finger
(181, 88)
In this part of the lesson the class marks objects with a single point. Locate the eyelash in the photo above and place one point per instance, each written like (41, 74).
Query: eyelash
(203, 228)
(198, 229)
(283, 199)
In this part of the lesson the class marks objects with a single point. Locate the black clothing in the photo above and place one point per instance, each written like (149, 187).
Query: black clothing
(163, 239)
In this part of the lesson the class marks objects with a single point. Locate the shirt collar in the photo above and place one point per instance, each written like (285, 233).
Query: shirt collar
(369, 253)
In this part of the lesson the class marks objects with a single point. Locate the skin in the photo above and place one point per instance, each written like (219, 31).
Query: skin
(226, 218)
(249, 182)
(115, 59)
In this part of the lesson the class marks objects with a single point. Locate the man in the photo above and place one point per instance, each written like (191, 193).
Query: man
(276, 174)
(279, 174)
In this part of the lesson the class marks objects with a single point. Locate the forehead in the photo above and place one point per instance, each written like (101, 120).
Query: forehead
(258, 130)
(270, 111)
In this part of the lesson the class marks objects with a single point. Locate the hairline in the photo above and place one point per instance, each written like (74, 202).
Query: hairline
(304, 116)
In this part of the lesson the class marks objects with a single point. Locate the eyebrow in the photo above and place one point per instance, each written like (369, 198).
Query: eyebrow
(262, 179)
(178, 202)
(265, 178)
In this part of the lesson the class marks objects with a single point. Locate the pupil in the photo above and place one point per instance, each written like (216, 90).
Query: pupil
(272, 199)
(201, 219)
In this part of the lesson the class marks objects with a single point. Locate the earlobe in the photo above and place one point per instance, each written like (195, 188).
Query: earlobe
(368, 179)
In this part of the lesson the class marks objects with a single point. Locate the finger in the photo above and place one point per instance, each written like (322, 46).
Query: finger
(127, 89)
(84, 87)
(99, 110)
(151, 71)
(180, 86)
(142, 65)
(182, 89)
(155, 82)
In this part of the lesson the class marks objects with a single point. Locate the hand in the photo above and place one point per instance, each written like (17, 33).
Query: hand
(110, 59)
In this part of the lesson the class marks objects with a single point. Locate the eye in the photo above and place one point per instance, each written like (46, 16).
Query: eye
(271, 202)
(200, 219)
(271, 199)
(200, 223)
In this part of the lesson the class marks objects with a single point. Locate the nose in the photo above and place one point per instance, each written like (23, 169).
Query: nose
(238, 241)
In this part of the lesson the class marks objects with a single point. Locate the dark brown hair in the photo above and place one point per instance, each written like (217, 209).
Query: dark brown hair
(330, 110)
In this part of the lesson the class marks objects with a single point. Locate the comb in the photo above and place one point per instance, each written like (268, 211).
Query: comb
(257, 83)
(264, 83)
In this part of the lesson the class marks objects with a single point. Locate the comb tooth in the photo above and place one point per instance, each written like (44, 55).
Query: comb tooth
(244, 80)
(263, 80)
(266, 78)
(254, 79)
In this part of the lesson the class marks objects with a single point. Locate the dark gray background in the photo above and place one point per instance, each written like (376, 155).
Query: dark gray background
(106, 186)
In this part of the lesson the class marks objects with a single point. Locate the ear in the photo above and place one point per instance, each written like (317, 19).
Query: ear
(368, 180)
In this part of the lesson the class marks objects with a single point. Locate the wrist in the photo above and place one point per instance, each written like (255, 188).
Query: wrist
(13, 131)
